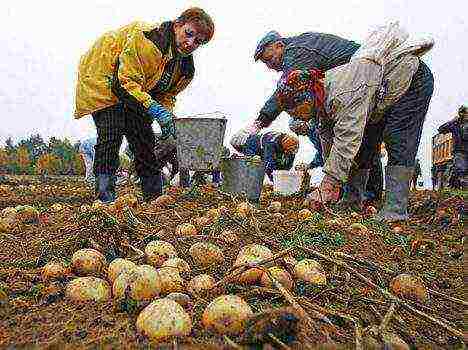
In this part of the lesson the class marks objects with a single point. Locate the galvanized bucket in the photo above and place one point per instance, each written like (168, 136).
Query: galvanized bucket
(243, 175)
(200, 141)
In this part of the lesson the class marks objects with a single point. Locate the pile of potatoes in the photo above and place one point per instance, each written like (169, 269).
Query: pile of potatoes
(21, 214)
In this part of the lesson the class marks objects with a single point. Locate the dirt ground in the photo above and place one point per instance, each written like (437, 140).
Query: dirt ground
(359, 255)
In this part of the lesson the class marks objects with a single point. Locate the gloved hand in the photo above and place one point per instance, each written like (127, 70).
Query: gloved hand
(330, 189)
(164, 119)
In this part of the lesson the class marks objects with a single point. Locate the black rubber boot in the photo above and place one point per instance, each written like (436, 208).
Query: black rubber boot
(356, 188)
(151, 186)
(184, 178)
(105, 188)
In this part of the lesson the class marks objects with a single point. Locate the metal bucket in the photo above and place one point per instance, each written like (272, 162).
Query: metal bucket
(200, 141)
(243, 175)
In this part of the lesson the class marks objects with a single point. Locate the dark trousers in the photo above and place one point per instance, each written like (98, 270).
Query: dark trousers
(401, 126)
(112, 124)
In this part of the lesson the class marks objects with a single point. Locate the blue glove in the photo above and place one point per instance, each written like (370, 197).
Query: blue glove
(164, 119)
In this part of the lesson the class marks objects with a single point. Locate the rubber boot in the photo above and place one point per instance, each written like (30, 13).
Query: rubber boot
(355, 190)
(105, 188)
(151, 186)
(184, 178)
(395, 206)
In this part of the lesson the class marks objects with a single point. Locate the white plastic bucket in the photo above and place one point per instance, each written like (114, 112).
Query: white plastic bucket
(287, 181)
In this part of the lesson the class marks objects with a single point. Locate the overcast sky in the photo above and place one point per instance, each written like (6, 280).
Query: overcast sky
(41, 43)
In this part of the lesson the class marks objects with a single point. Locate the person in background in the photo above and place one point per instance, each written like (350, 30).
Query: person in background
(385, 79)
(303, 128)
(459, 129)
(129, 78)
(414, 177)
(276, 149)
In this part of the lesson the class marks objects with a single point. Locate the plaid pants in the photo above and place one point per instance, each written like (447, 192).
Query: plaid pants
(112, 124)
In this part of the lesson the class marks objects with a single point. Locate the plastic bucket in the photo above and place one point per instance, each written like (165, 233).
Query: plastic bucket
(200, 141)
(287, 182)
(243, 175)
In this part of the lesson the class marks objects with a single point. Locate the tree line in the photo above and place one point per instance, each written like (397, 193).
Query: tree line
(36, 156)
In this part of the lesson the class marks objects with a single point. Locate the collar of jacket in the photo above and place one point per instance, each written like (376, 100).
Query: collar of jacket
(164, 38)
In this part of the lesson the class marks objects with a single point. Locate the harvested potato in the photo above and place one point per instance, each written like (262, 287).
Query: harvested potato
(227, 314)
(157, 252)
(280, 275)
(27, 214)
(229, 237)
(252, 253)
(274, 207)
(170, 280)
(310, 271)
(55, 270)
(206, 254)
(186, 229)
(88, 262)
(200, 285)
(117, 266)
(127, 200)
(409, 287)
(83, 289)
(243, 209)
(162, 319)
(139, 284)
(304, 214)
(163, 201)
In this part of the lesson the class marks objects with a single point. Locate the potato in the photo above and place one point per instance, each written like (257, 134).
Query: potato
(227, 314)
(304, 214)
(85, 208)
(157, 252)
(88, 289)
(186, 229)
(243, 209)
(27, 214)
(162, 319)
(170, 280)
(127, 200)
(409, 287)
(6, 225)
(310, 271)
(200, 222)
(88, 262)
(163, 201)
(357, 228)
(252, 253)
(200, 285)
(56, 207)
(55, 270)
(179, 264)
(280, 275)
(229, 237)
(8, 211)
(274, 207)
(117, 266)
(139, 284)
(206, 254)
(98, 205)
(213, 214)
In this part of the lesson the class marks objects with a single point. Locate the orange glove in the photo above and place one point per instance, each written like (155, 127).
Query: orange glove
(330, 189)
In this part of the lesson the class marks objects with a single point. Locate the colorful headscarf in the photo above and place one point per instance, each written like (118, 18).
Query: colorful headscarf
(301, 87)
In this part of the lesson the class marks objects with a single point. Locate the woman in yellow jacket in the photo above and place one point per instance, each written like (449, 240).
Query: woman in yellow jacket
(127, 79)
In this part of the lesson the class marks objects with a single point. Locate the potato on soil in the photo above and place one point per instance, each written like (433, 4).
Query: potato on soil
(280, 275)
(186, 229)
(117, 266)
(274, 207)
(157, 252)
(304, 214)
(170, 280)
(88, 262)
(163, 201)
(310, 271)
(163, 319)
(409, 287)
(206, 254)
(139, 284)
(200, 285)
(252, 253)
(227, 314)
(55, 270)
(83, 289)
(243, 209)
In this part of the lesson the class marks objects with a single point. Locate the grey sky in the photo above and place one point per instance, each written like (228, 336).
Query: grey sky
(42, 41)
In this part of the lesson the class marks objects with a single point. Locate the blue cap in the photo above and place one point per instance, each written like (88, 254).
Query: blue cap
(269, 38)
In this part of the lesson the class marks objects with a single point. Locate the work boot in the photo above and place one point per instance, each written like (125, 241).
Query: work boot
(356, 189)
(105, 188)
(184, 178)
(151, 186)
(395, 206)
